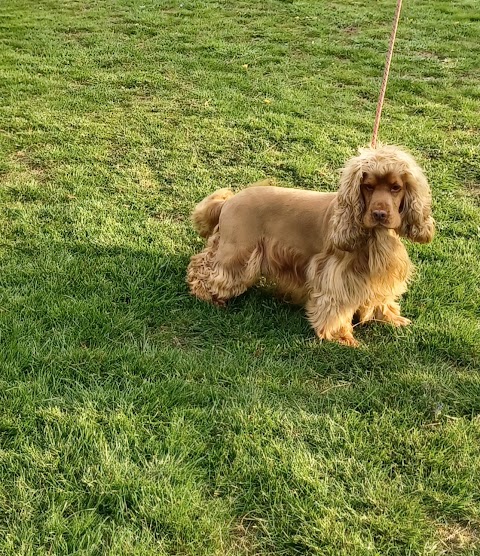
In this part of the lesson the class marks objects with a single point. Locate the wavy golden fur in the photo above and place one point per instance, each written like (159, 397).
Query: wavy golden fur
(338, 254)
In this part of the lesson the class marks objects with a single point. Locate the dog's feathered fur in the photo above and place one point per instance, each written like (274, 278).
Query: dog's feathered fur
(315, 247)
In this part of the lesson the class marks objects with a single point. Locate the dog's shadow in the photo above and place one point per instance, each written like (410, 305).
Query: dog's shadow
(145, 292)
(127, 296)
(255, 316)
(125, 315)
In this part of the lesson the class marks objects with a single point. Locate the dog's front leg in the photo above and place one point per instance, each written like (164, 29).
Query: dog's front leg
(331, 320)
(388, 311)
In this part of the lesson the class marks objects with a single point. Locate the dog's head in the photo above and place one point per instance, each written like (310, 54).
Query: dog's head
(382, 188)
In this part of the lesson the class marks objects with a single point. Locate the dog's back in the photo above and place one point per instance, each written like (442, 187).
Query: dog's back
(206, 214)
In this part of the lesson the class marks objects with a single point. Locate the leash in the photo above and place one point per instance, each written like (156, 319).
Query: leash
(383, 88)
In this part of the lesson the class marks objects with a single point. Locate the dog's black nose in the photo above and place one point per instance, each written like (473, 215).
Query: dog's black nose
(379, 215)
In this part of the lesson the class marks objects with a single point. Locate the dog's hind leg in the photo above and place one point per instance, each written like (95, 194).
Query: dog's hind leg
(216, 277)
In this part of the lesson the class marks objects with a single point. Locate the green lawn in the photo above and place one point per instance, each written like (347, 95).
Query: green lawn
(135, 420)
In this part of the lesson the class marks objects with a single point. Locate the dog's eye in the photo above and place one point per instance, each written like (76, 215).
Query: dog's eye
(396, 188)
(368, 187)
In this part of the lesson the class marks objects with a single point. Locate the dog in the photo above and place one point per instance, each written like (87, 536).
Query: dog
(338, 254)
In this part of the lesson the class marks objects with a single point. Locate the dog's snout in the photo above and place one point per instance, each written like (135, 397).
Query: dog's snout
(380, 215)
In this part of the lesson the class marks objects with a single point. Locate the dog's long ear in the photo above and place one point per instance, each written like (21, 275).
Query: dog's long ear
(346, 225)
(417, 222)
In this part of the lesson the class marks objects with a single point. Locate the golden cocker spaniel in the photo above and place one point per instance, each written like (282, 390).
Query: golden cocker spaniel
(338, 254)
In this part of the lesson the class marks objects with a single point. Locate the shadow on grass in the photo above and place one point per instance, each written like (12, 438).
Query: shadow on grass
(113, 319)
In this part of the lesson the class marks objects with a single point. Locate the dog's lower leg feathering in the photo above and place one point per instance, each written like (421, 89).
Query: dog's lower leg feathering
(339, 254)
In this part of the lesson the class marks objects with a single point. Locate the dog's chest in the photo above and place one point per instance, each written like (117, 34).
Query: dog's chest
(387, 264)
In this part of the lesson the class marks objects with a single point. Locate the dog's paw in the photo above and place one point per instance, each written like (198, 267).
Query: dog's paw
(400, 321)
(218, 301)
(345, 338)
(348, 341)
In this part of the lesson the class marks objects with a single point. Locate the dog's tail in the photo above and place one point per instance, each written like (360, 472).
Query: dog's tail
(206, 214)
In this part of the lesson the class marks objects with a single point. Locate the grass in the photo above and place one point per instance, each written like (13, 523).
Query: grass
(138, 421)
